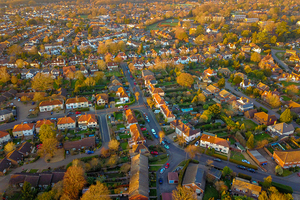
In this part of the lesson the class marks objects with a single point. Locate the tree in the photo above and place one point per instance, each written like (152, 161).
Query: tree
(267, 182)
(247, 69)
(46, 132)
(14, 80)
(183, 193)
(38, 96)
(286, 116)
(101, 65)
(263, 196)
(125, 168)
(89, 81)
(4, 76)
(79, 75)
(191, 150)
(112, 160)
(73, 182)
(292, 89)
(278, 170)
(46, 39)
(221, 83)
(185, 79)
(98, 76)
(49, 147)
(226, 171)
(58, 81)
(20, 63)
(113, 145)
(9, 147)
(137, 94)
(221, 186)
(27, 192)
(150, 102)
(161, 135)
(97, 192)
(181, 34)
(181, 140)
(14, 50)
(273, 100)
(215, 109)
(54, 194)
(237, 80)
(250, 142)
(255, 57)
(42, 82)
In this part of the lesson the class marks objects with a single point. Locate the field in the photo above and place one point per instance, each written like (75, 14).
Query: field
(169, 22)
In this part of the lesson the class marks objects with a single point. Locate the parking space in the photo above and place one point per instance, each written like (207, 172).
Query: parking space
(270, 167)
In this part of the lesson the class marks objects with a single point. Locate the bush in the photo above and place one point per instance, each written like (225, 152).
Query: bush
(282, 188)
(244, 176)
(219, 156)
(83, 109)
(154, 159)
(244, 164)
(261, 109)
(195, 161)
(181, 173)
(100, 107)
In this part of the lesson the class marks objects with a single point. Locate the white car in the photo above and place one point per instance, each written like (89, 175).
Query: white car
(153, 131)
(162, 170)
(120, 107)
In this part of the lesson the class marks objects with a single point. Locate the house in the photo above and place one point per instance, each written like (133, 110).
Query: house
(85, 143)
(194, 178)
(211, 90)
(121, 93)
(139, 178)
(209, 72)
(15, 157)
(51, 105)
(4, 137)
(246, 83)
(102, 99)
(136, 135)
(23, 130)
(264, 118)
(5, 164)
(262, 87)
(242, 187)
(250, 113)
(77, 102)
(244, 104)
(112, 66)
(139, 149)
(173, 177)
(288, 158)
(168, 115)
(281, 129)
(182, 129)
(149, 79)
(266, 94)
(66, 123)
(42, 122)
(5, 115)
(159, 101)
(25, 148)
(154, 90)
(225, 71)
(216, 143)
(224, 96)
(246, 48)
(214, 174)
(130, 117)
(147, 73)
(293, 106)
(87, 121)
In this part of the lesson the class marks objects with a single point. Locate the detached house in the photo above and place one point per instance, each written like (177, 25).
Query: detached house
(211, 90)
(246, 83)
(281, 129)
(42, 122)
(288, 158)
(209, 72)
(154, 90)
(264, 118)
(183, 130)
(112, 66)
(66, 123)
(77, 102)
(262, 87)
(5, 164)
(50, 105)
(102, 99)
(121, 93)
(87, 121)
(242, 187)
(4, 137)
(216, 143)
(244, 104)
(23, 130)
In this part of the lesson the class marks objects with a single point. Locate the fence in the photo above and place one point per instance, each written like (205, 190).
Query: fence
(268, 152)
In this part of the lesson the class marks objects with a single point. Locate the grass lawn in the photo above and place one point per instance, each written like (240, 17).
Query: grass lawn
(289, 83)
(286, 172)
(260, 137)
(248, 124)
(152, 192)
(152, 183)
(124, 136)
(154, 168)
(210, 192)
(222, 134)
(285, 98)
(237, 156)
(119, 116)
(33, 171)
(15, 141)
(121, 126)
(182, 163)
(113, 73)
(162, 161)
(124, 145)
(232, 141)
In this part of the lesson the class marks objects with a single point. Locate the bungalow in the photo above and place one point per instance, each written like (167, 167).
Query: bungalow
(173, 177)
(51, 105)
(225, 96)
(4, 137)
(77, 102)
(102, 99)
(130, 117)
(25, 149)
(5, 115)
(281, 129)
(85, 143)
(288, 158)
(150, 79)
(264, 118)
(168, 115)
(87, 121)
(242, 187)
(23, 130)
(194, 178)
(121, 93)
(42, 122)
(293, 106)
(250, 113)
(66, 123)
(216, 143)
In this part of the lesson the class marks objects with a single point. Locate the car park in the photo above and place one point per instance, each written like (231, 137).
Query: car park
(154, 152)
(241, 167)
(162, 170)
(217, 159)
(160, 180)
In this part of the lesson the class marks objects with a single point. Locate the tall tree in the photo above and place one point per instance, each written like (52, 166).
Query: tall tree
(278, 170)
(113, 145)
(27, 192)
(9, 147)
(250, 142)
(137, 94)
(4, 76)
(49, 147)
(267, 182)
(97, 192)
(255, 57)
(226, 171)
(183, 193)
(73, 182)
(14, 79)
(191, 150)
(101, 65)
(185, 79)
(286, 116)
(42, 82)
(46, 132)
(221, 83)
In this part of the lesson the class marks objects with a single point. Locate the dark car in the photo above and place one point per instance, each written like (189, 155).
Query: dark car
(154, 152)
(251, 170)
(160, 180)
(241, 167)
(217, 159)
(166, 141)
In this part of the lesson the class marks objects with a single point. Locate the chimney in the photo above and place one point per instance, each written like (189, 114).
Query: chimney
(216, 136)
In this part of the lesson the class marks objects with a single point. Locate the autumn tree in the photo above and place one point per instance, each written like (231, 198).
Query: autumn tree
(89, 81)
(97, 192)
(226, 171)
(27, 192)
(286, 116)
(113, 145)
(250, 142)
(101, 65)
(79, 75)
(14, 50)
(255, 57)
(150, 102)
(191, 150)
(104, 152)
(98, 76)
(220, 186)
(38, 96)
(112, 160)
(14, 80)
(181, 140)
(4, 76)
(292, 89)
(125, 168)
(221, 83)
(42, 82)
(54, 194)
(185, 79)
(20, 63)
(9, 147)
(161, 135)
(267, 182)
(278, 170)
(273, 100)
(181, 34)
(183, 193)
(46, 132)
(215, 109)
(73, 183)
(137, 94)
(58, 81)
(49, 147)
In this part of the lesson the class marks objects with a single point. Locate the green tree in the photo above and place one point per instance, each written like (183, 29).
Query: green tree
(226, 171)
(27, 192)
(215, 109)
(267, 182)
(237, 80)
(250, 142)
(286, 116)
(278, 170)
(221, 83)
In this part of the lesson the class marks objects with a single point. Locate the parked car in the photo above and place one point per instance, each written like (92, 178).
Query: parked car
(156, 136)
(162, 170)
(162, 142)
(298, 174)
(148, 120)
(246, 161)
(241, 167)
(120, 107)
(166, 146)
(153, 131)
(143, 129)
(251, 170)
(77, 112)
(154, 152)
(134, 83)
(126, 106)
(130, 76)
(217, 159)
(167, 165)
(160, 180)
(90, 152)
(166, 141)
(197, 143)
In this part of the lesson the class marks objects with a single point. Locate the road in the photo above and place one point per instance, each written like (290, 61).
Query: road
(282, 64)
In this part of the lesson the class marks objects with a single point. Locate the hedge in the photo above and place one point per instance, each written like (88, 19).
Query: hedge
(100, 107)
(83, 109)
(181, 173)
(261, 109)
(244, 164)
(282, 188)
(244, 176)
(219, 156)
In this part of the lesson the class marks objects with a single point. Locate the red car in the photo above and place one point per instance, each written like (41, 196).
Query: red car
(126, 106)
(39, 146)
(154, 152)
(298, 174)
(130, 76)
(134, 83)
(167, 165)
(143, 129)
(77, 112)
